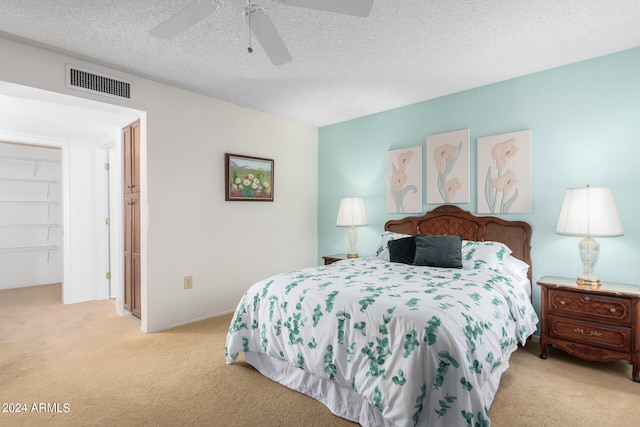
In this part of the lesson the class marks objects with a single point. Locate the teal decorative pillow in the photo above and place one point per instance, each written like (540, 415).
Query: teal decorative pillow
(402, 250)
(382, 251)
(438, 251)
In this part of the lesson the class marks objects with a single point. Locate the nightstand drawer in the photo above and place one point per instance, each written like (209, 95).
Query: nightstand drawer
(614, 338)
(592, 307)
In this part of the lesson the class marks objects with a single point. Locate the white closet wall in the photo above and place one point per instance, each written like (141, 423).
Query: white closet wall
(30, 215)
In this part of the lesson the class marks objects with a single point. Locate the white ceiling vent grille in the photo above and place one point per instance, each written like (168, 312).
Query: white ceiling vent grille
(99, 84)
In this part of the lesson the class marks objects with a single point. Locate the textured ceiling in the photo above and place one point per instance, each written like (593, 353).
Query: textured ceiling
(343, 67)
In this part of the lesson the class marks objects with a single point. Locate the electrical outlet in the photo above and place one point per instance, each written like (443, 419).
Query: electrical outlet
(188, 282)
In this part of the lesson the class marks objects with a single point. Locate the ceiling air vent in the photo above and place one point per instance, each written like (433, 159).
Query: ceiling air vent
(98, 84)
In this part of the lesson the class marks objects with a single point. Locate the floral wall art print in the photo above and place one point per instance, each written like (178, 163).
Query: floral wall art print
(248, 178)
(404, 180)
(504, 173)
(448, 167)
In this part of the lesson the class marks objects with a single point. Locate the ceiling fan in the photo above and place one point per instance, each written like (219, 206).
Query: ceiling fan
(259, 22)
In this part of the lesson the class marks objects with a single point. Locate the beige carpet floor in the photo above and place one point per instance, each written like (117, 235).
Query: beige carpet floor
(88, 367)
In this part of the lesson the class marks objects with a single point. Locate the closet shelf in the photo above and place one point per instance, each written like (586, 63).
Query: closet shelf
(39, 248)
(50, 227)
(37, 161)
(28, 159)
(35, 181)
(50, 205)
(30, 225)
(49, 182)
(29, 202)
(24, 177)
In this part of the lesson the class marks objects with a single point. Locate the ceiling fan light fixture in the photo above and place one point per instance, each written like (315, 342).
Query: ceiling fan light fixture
(260, 24)
(251, 8)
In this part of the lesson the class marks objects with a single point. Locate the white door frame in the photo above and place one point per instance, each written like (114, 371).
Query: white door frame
(111, 152)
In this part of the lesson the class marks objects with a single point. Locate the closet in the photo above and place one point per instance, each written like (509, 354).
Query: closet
(131, 148)
(30, 215)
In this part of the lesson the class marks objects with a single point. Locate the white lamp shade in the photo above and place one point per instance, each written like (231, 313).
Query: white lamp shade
(589, 211)
(351, 212)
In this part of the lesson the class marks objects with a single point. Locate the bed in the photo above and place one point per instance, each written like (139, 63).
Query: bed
(382, 341)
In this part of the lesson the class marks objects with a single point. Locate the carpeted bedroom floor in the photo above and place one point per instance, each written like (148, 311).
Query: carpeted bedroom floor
(81, 365)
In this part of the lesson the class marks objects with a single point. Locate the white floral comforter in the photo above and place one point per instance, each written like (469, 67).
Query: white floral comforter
(423, 346)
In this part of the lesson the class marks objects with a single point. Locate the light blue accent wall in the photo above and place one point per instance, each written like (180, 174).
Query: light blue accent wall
(585, 122)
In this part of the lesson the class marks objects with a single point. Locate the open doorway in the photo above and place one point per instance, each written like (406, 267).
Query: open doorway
(83, 131)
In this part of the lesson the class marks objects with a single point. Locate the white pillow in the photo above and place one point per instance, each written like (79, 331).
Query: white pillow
(382, 251)
(490, 255)
(496, 256)
(518, 270)
(516, 267)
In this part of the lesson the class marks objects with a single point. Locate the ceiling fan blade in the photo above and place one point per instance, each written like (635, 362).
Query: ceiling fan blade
(190, 15)
(348, 7)
(268, 37)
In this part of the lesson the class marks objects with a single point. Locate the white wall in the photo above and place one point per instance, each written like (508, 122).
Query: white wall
(190, 229)
(80, 284)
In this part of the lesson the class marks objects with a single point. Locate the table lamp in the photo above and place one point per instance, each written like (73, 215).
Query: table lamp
(589, 212)
(352, 214)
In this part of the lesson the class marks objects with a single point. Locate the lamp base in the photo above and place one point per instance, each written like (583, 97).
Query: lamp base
(589, 251)
(588, 281)
(353, 239)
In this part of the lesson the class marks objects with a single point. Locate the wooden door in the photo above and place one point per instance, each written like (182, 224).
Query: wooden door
(132, 276)
(128, 253)
(131, 136)
(132, 255)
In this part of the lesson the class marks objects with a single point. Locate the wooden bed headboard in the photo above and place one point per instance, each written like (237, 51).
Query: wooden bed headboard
(450, 219)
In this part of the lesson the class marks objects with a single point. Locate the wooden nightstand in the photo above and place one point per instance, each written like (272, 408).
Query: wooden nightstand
(330, 259)
(593, 323)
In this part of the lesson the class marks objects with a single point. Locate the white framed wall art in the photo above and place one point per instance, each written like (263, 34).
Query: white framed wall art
(504, 173)
(448, 167)
(404, 180)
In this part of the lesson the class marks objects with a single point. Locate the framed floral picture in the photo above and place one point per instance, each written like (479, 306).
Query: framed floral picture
(448, 167)
(248, 179)
(404, 180)
(504, 173)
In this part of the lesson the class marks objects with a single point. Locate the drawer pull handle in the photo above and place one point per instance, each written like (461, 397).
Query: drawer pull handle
(562, 302)
(591, 334)
(613, 310)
